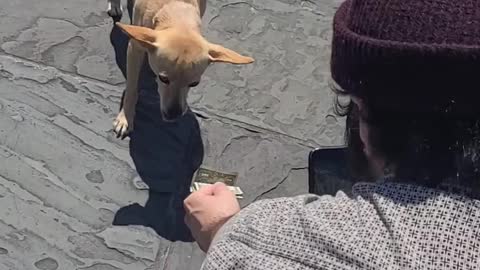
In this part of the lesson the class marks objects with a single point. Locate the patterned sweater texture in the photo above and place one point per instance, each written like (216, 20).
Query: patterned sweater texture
(382, 226)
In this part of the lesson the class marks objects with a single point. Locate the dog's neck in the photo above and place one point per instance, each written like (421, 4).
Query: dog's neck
(177, 14)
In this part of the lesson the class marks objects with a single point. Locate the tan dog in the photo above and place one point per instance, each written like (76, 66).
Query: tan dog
(168, 31)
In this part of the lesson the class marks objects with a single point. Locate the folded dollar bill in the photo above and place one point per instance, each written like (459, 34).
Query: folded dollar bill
(210, 176)
(236, 190)
(207, 176)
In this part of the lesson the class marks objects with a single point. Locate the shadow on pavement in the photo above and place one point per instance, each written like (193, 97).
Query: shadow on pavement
(165, 155)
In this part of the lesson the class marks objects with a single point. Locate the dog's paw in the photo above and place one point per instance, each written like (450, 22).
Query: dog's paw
(115, 10)
(122, 126)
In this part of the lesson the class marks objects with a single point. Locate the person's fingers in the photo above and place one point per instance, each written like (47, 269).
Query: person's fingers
(219, 188)
(190, 201)
(199, 197)
(207, 190)
(193, 198)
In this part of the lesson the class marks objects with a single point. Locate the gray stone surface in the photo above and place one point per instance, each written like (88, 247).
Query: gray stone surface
(62, 173)
(284, 91)
(71, 35)
(136, 241)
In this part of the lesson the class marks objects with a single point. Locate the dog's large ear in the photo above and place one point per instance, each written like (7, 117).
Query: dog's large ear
(218, 53)
(145, 36)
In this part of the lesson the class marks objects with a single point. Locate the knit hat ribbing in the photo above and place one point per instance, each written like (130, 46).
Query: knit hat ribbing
(410, 55)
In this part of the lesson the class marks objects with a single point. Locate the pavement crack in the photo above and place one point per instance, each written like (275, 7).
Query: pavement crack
(232, 140)
(6, 74)
(253, 128)
(280, 182)
(201, 115)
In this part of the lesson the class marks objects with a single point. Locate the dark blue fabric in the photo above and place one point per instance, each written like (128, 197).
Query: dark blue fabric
(166, 154)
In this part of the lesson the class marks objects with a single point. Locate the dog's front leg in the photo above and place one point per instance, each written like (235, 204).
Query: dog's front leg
(123, 124)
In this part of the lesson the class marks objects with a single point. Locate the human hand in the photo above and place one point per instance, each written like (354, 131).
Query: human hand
(207, 210)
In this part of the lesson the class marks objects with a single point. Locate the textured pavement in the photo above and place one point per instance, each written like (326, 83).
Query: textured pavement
(63, 175)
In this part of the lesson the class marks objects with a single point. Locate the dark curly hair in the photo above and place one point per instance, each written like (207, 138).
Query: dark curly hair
(429, 149)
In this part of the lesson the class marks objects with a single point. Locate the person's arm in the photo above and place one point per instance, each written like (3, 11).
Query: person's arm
(272, 234)
(240, 239)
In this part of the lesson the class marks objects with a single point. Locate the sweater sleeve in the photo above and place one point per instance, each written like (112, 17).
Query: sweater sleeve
(243, 238)
(380, 226)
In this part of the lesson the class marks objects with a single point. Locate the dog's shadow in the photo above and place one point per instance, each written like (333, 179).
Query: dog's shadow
(165, 156)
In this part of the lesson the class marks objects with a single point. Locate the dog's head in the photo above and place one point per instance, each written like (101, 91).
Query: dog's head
(178, 59)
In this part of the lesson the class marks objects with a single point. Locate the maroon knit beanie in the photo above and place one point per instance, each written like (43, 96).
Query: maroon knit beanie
(410, 55)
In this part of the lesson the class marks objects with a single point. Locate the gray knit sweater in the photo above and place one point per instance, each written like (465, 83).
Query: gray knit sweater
(382, 226)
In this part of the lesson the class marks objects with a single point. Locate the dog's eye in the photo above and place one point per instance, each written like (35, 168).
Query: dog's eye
(194, 84)
(163, 79)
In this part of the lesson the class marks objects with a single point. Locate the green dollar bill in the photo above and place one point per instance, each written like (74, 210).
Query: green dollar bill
(209, 176)
(206, 176)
